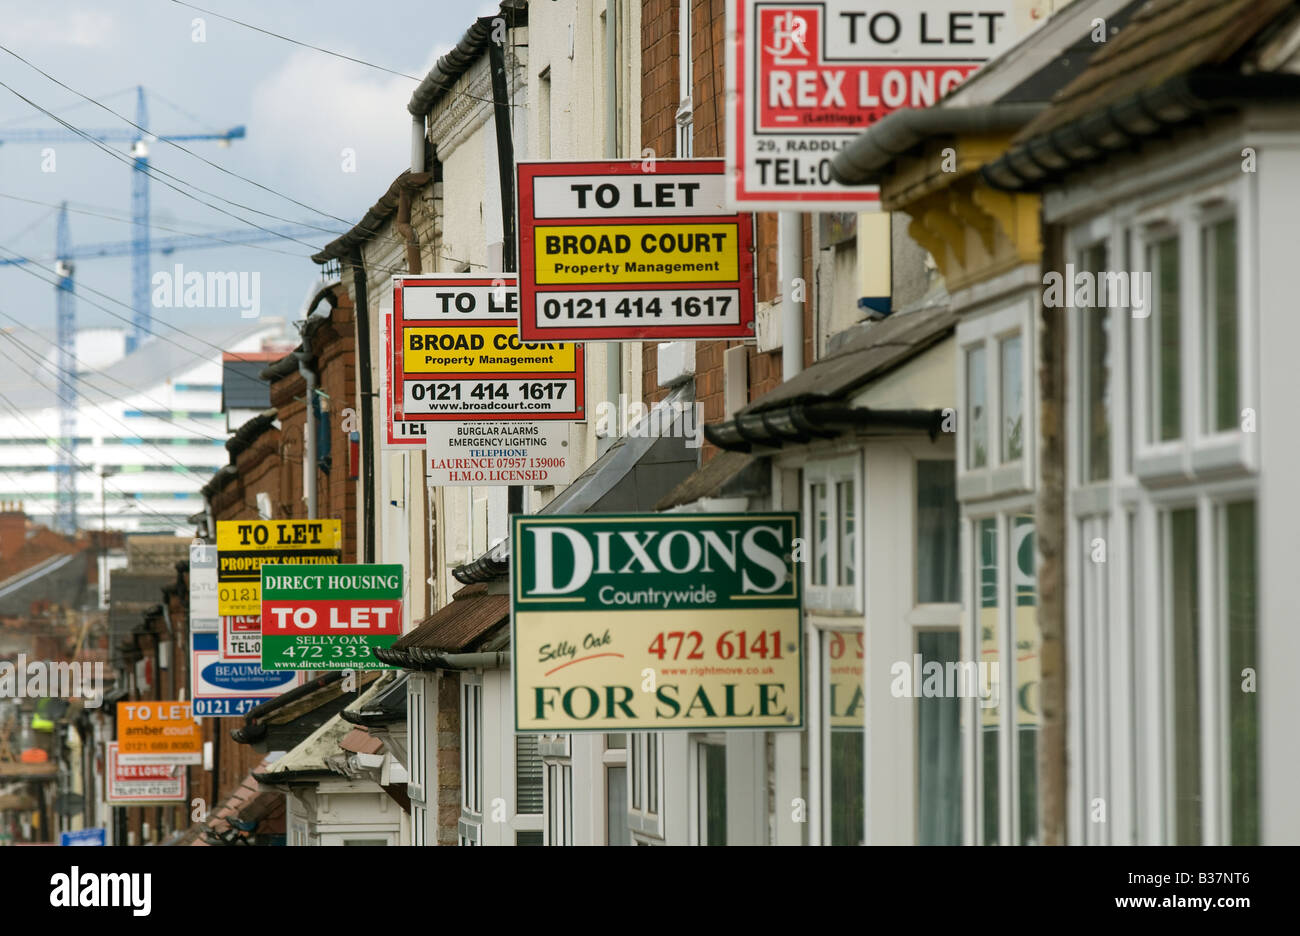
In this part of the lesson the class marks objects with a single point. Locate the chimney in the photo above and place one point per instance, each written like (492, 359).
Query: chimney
(13, 528)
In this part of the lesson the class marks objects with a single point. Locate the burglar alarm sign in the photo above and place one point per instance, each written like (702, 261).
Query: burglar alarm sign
(656, 622)
(329, 618)
(632, 250)
(808, 77)
(455, 354)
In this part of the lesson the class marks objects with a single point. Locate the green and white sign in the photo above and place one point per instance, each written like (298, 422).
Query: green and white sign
(656, 622)
(329, 617)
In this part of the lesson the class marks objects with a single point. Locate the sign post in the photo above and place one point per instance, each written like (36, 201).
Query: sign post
(631, 250)
(656, 622)
(320, 619)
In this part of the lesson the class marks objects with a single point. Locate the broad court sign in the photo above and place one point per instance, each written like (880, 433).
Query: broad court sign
(656, 622)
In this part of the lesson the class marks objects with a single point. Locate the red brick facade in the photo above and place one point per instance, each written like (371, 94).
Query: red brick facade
(660, 98)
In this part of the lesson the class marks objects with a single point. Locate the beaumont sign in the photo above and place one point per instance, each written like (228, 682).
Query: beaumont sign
(319, 619)
(244, 545)
(810, 76)
(656, 622)
(632, 250)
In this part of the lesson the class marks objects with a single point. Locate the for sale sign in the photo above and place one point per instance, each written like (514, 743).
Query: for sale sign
(158, 733)
(456, 355)
(318, 619)
(632, 250)
(498, 452)
(809, 77)
(142, 783)
(243, 546)
(656, 622)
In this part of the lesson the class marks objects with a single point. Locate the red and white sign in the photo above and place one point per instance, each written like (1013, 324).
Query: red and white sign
(630, 250)
(809, 77)
(142, 783)
(241, 637)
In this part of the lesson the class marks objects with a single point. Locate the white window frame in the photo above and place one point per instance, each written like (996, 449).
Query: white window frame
(557, 798)
(696, 830)
(641, 768)
(832, 472)
(819, 772)
(988, 330)
(470, 827)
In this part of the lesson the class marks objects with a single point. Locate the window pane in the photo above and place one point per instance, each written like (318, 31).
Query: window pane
(847, 532)
(937, 517)
(1219, 264)
(1013, 402)
(939, 749)
(990, 628)
(1096, 373)
(1184, 634)
(1166, 373)
(842, 653)
(637, 755)
(713, 795)
(652, 773)
(821, 532)
(615, 742)
(616, 806)
(1243, 712)
(976, 409)
(1025, 604)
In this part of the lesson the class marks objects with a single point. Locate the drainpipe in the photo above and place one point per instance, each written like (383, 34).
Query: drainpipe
(506, 174)
(309, 449)
(417, 144)
(790, 263)
(403, 225)
(613, 351)
(367, 388)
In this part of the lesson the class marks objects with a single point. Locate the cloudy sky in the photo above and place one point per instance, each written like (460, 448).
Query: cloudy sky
(302, 109)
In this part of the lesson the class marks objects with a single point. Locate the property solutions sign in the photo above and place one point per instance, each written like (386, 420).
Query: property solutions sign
(244, 545)
(656, 622)
(319, 619)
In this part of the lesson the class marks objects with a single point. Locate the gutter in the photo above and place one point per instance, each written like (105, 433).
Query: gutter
(421, 659)
(455, 63)
(1118, 128)
(801, 423)
(867, 160)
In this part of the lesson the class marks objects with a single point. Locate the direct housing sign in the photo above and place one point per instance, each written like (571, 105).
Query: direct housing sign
(317, 619)
(656, 622)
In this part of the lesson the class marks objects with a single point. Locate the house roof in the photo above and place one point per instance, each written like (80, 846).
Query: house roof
(374, 219)
(311, 757)
(727, 474)
(455, 63)
(459, 626)
(1177, 61)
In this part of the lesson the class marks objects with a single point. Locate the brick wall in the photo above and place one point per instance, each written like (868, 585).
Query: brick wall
(660, 99)
(448, 762)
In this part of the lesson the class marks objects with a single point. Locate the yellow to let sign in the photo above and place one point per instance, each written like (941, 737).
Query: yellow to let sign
(612, 254)
(244, 546)
(482, 350)
(158, 733)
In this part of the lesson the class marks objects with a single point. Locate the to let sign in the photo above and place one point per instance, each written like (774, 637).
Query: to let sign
(158, 733)
(243, 546)
(456, 355)
(656, 622)
(319, 619)
(142, 783)
(809, 77)
(632, 250)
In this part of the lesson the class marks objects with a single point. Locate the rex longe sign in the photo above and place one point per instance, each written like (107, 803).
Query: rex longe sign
(656, 622)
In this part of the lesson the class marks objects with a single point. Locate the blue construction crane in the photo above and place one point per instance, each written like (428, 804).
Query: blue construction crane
(140, 249)
(65, 513)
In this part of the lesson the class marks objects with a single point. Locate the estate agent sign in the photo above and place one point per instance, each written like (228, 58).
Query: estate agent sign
(656, 622)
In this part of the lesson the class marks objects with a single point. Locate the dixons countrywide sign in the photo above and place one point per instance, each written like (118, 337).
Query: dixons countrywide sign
(631, 250)
(243, 546)
(656, 621)
(810, 76)
(329, 618)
